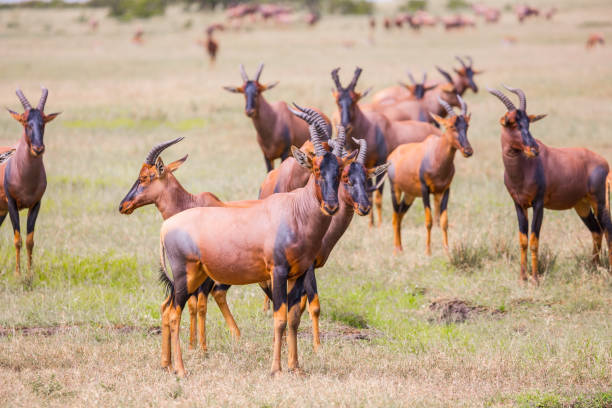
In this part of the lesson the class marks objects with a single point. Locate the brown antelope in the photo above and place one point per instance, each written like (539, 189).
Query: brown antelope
(373, 127)
(421, 169)
(524, 11)
(276, 239)
(138, 37)
(23, 180)
(157, 185)
(353, 195)
(594, 39)
(277, 129)
(210, 44)
(540, 176)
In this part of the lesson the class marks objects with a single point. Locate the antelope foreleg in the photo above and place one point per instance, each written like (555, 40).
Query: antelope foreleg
(523, 223)
(279, 303)
(220, 295)
(32, 216)
(534, 239)
(443, 204)
(428, 217)
(192, 304)
(14, 215)
(295, 288)
(583, 209)
(378, 198)
(314, 308)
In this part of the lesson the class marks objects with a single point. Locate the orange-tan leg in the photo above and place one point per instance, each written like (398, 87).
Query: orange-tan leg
(31, 221)
(534, 239)
(314, 307)
(601, 208)
(166, 355)
(279, 301)
(202, 306)
(192, 304)
(17, 242)
(583, 209)
(441, 202)
(523, 222)
(295, 288)
(400, 207)
(220, 296)
(14, 215)
(175, 325)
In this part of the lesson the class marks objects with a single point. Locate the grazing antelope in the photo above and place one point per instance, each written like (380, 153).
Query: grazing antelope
(540, 176)
(594, 39)
(276, 239)
(353, 195)
(277, 129)
(373, 127)
(157, 185)
(23, 180)
(421, 169)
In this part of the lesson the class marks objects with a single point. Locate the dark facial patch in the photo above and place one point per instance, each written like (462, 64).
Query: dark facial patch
(35, 129)
(419, 91)
(250, 92)
(357, 187)
(135, 190)
(329, 179)
(462, 126)
(522, 122)
(469, 74)
(345, 103)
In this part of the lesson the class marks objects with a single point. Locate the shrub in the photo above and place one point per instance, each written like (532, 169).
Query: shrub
(128, 9)
(457, 4)
(414, 5)
(351, 7)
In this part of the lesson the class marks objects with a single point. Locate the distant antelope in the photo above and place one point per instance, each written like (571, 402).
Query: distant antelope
(138, 37)
(277, 129)
(157, 185)
(594, 39)
(421, 169)
(276, 239)
(540, 176)
(23, 180)
(210, 44)
(524, 11)
(353, 197)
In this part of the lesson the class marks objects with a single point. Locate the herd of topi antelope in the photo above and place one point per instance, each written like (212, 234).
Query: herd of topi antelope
(411, 132)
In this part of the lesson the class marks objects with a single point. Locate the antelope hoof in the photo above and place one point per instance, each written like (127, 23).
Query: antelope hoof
(180, 373)
(428, 252)
(275, 373)
(397, 251)
(297, 372)
(316, 347)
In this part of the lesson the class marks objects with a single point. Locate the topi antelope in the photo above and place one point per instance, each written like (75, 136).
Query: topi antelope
(23, 180)
(353, 195)
(594, 39)
(157, 185)
(373, 127)
(277, 129)
(421, 169)
(276, 239)
(540, 176)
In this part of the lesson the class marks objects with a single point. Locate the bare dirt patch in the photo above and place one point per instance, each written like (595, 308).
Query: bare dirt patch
(458, 311)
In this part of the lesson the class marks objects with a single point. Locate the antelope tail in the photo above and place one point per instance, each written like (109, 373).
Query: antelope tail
(164, 279)
(608, 181)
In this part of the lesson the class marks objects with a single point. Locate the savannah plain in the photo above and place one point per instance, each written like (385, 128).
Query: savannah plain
(85, 332)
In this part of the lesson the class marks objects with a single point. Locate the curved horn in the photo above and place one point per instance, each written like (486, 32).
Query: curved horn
(447, 107)
(461, 61)
(243, 73)
(315, 134)
(424, 78)
(24, 101)
(158, 148)
(467, 57)
(463, 105)
(411, 78)
(318, 120)
(445, 74)
(336, 78)
(340, 141)
(258, 73)
(353, 83)
(363, 150)
(43, 99)
(505, 100)
(521, 95)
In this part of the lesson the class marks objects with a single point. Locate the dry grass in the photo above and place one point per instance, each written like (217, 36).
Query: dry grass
(545, 346)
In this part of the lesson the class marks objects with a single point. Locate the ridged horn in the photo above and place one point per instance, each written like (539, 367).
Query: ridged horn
(43, 99)
(363, 150)
(449, 109)
(445, 74)
(340, 141)
(243, 73)
(505, 100)
(315, 133)
(424, 78)
(460, 61)
(336, 78)
(24, 101)
(467, 57)
(353, 83)
(319, 121)
(411, 78)
(521, 95)
(258, 73)
(463, 105)
(158, 148)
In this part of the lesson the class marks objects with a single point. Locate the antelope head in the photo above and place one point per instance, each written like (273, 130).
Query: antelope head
(251, 88)
(456, 126)
(418, 89)
(33, 121)
(466, 73)
(355, 178)
(152, 179)
(516, 122)
(326, 166)
(347, 98)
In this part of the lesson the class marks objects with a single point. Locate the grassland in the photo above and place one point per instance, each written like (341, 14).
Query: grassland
(94, 304)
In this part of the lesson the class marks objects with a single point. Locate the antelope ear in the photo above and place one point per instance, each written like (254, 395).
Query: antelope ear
(19, 117)
(50, 117)
(429, 88)
(439, 120)
(302, 158)
(269, 86)
(159, 167)
(378, 170)
(504, 120)
(233, 89)
(176, 164)
(365, 93)
(405, 85)
(349, 158)
(535, 118)
(477, 71)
